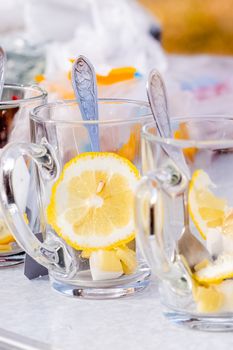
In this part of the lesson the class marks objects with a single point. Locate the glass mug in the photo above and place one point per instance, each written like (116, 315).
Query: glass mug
(196, 192)
(16, 102)
(82, 200)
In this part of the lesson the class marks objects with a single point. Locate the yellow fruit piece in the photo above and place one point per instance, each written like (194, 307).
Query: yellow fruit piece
(206, 210)
(227, 227)
(216, 272)
(208, 299)
(208, 214)
(86, 254)
(5, 235)
(91, 205)
(4, 248)
(108, 261)
(105, 265)
(128, 259)
(201, 265)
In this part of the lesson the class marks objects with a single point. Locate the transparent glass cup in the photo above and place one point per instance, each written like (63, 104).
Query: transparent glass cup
(194, 193)
(58, 136)
(15, 105)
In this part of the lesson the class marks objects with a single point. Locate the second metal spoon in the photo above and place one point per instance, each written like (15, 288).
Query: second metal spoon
(188, 245)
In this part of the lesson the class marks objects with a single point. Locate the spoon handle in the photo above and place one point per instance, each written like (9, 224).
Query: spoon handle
(157, 97)
(2, 70)
(158, 100)
(85, 88)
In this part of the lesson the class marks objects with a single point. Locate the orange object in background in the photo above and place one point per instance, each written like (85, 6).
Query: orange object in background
(117, 75)
(129, 149)
(183, 134)
(39, 78)
(62, 88)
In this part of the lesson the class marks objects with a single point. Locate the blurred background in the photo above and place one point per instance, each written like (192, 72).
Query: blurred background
(189, 41)
(195, 26)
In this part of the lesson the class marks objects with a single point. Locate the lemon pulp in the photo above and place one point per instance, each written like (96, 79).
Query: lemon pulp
(206, 210)
(91, 205)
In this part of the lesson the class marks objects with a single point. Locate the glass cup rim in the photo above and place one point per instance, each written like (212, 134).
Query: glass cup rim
(184, 143)
(43, 94)
(35, 117)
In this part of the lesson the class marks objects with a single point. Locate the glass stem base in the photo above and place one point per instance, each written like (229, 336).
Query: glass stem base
(120, 290)
(221, 323)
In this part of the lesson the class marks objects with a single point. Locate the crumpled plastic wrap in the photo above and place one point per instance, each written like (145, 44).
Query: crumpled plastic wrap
(110, 33)
(11, 16)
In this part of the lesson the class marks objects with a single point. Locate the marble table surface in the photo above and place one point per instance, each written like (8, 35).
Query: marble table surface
(33, 311)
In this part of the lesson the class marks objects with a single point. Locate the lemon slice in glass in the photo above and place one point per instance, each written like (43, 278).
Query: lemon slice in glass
(5, 235)
(209, 299)
(206, 210)
(217, 271)
(91, 205)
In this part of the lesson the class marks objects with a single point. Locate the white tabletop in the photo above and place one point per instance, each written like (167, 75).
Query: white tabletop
(33, 310)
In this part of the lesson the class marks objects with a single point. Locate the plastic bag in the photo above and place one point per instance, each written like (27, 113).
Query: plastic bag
(110, 33)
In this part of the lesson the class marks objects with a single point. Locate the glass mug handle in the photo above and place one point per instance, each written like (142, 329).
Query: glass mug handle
(149, 234)
(53, 255)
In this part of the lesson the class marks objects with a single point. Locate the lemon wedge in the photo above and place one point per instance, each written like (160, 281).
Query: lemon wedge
(105, 265)
(206, 210)
(5, 235)
(216, 272)
(209, 299)
(128, 259)
(91, 204)
(110, 264)
(5, 248)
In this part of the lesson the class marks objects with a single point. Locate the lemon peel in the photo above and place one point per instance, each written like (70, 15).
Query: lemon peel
(5, 235)
(100, 206)
(206, 210)
(216, 272)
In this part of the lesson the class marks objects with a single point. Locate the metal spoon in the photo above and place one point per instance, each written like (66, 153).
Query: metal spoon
(2, 70)
(85, 88)
(188, 245)
(157, 97)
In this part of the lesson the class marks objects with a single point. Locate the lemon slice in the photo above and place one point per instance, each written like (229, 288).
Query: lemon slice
(91, 205)
(206, 210)
(217, 271)
(5, 235)
(209, 299)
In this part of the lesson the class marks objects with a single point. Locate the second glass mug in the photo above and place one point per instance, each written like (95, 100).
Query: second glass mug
(61, 139)
(196, 193)
(16, 102)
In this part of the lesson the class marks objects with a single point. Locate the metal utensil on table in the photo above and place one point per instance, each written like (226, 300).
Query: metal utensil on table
(2, 70)
(85, 88)
(188, 245)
